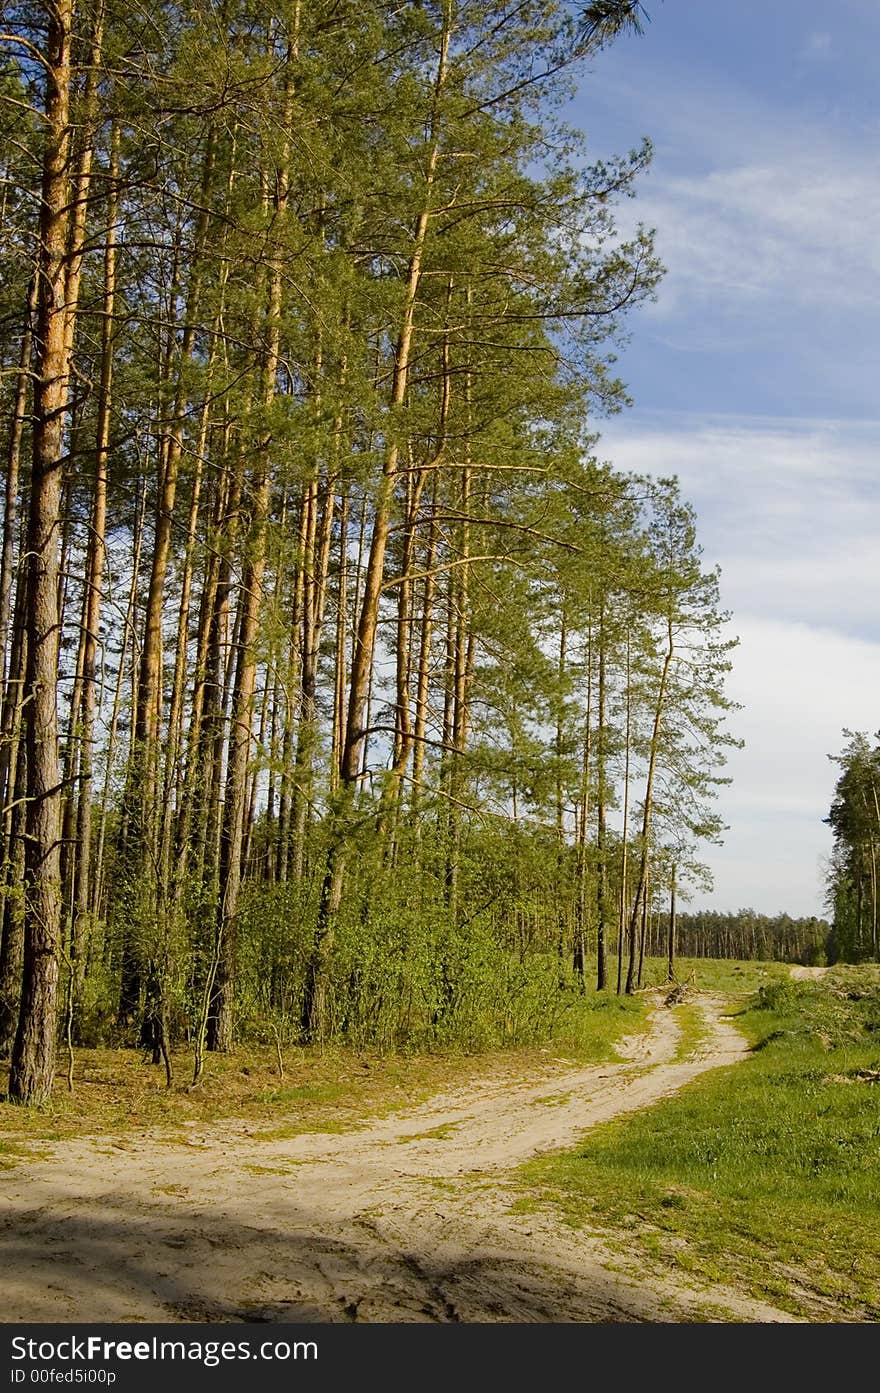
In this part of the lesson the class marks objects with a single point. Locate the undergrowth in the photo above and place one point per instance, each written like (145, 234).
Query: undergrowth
(323, 1088)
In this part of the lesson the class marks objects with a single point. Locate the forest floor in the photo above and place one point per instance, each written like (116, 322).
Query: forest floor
(415, 1216)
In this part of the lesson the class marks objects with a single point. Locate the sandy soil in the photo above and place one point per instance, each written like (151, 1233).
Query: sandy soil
(407, 1219)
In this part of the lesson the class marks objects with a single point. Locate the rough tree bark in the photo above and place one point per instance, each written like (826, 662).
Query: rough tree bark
(33, 1054)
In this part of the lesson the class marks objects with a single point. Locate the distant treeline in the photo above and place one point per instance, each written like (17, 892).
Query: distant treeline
(747, 934)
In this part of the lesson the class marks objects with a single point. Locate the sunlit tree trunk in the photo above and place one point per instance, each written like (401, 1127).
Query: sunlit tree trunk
(33, 1054)
(219, 1025)
(601, 817)
(644, 855)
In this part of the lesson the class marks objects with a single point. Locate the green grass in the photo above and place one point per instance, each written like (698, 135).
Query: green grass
(692, 1027)
(764, 1174)
(601, 1021)
(716, 974)
(12, 1153)
(441, 1133)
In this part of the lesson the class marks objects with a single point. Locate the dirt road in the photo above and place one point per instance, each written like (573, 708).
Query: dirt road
(406, 1220)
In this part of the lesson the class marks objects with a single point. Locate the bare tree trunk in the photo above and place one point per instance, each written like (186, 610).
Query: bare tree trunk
(670, 941)
(316, 564)
(13, 461)
(340, 668)
(12, 944)
(642, 885)
(33, 1055)
(205, 725)
(220, 1020)
(142, 795)
(12, 949)
(562, 923)
(643, 932)
(580, 933)
(83, 701)
(601, 794)
(423, 676)
(624, 867)
(129, 636)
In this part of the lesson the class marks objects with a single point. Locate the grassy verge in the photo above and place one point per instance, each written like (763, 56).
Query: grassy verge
(763, 1174)
(717, 974)
(322, 1090)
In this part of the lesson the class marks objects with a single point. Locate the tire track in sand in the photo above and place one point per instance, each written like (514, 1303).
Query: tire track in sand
(407, 1218)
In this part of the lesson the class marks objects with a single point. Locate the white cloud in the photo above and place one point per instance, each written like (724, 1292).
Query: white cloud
(790, 510)
(754, 197)
(801, 228)
(765, 194)
(816, 45)
(799, 686)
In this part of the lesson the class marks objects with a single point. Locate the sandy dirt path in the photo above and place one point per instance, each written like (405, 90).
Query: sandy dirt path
(807, 974)
(407, 1219)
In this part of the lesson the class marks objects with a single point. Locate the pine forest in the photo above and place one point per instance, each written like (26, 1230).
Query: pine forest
(355, 705)
(329, 640)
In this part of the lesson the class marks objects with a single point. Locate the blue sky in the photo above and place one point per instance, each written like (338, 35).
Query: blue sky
(755, 379)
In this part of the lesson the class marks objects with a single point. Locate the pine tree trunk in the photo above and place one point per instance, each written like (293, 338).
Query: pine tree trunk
(642, 885)
(219, 1032)
(13, 462)
(141, 798)
(84, 699)
(340, 666)
(624, 866)
(97, 906)
(33, 1055)
(670, 941)
(580, 932)
(12, 948)
(601, 794)
(423, 671)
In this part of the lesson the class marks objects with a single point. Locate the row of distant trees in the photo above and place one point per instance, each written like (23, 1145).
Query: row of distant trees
(747, 934)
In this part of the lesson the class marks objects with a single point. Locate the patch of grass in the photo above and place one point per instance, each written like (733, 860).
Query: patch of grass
(439, 1184)
(716, 974)
(11, 1148)
(763, 1174)
(693, 1030)
(11, 1153)
(603, 1019)
(441, 1133)
(552, 1100)
(325, 1091)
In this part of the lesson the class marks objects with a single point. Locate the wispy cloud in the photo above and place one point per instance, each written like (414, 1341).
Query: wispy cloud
(754, 197)
(765, 194)
(802, 230)
(816, 45)
(789, 509)
(799, 687)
